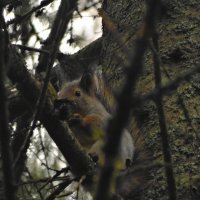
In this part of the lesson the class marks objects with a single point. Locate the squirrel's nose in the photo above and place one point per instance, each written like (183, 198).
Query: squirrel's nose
(63, 108)
(59, 102)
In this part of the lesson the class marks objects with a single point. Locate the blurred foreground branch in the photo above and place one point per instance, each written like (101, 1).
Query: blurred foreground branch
(8, 182)
(118, 122)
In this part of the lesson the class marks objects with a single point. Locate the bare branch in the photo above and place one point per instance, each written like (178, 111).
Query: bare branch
(164, 90)
(58, 131)
(57, 32)
(19, 19)
(60, 188)
(58, 29)
(8, 182)
(22, 47)
(17, 106)
(22, 127)
(162, 121)
(182, 105)
(55, 177)
(35, 185)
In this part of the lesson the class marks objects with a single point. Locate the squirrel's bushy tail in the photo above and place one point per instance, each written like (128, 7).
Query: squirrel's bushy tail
(132, 181)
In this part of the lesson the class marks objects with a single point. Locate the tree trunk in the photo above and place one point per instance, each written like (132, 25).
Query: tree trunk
(179, 38)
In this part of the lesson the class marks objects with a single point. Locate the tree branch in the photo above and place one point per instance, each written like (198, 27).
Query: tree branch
(22, 128)
(164, 90)
(17, 106)
(162, 121)
(58, 131)
(4, 130)
(19, 19)
(60, 188)
(57, 32)
(58, 29)
(22, 47)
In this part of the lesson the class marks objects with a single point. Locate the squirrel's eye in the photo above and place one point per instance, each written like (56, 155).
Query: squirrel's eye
(77, 93)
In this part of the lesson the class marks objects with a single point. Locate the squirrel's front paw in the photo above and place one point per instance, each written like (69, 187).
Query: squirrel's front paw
(94, 157)
(75, 120)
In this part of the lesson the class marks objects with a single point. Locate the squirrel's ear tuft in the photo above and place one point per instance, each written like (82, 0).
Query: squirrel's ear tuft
(87, 83)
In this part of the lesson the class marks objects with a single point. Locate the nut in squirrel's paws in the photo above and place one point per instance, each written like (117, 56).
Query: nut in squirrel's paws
(94, 157)
(76, 119)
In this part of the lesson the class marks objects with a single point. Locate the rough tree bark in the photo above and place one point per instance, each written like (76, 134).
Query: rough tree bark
(179, 52)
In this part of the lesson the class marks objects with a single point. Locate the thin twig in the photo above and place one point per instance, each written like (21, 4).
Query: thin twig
(57, 29)
(182, 105)
(28, 87)
(34, 9)
(164, 90)
(162, 121)
(30, 48)
(45, 156)
(35, 184)
(22, 128)
(43, 180)
(55, 177)
(60, 188)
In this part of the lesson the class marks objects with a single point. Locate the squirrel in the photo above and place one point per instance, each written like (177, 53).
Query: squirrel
(87, 117)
